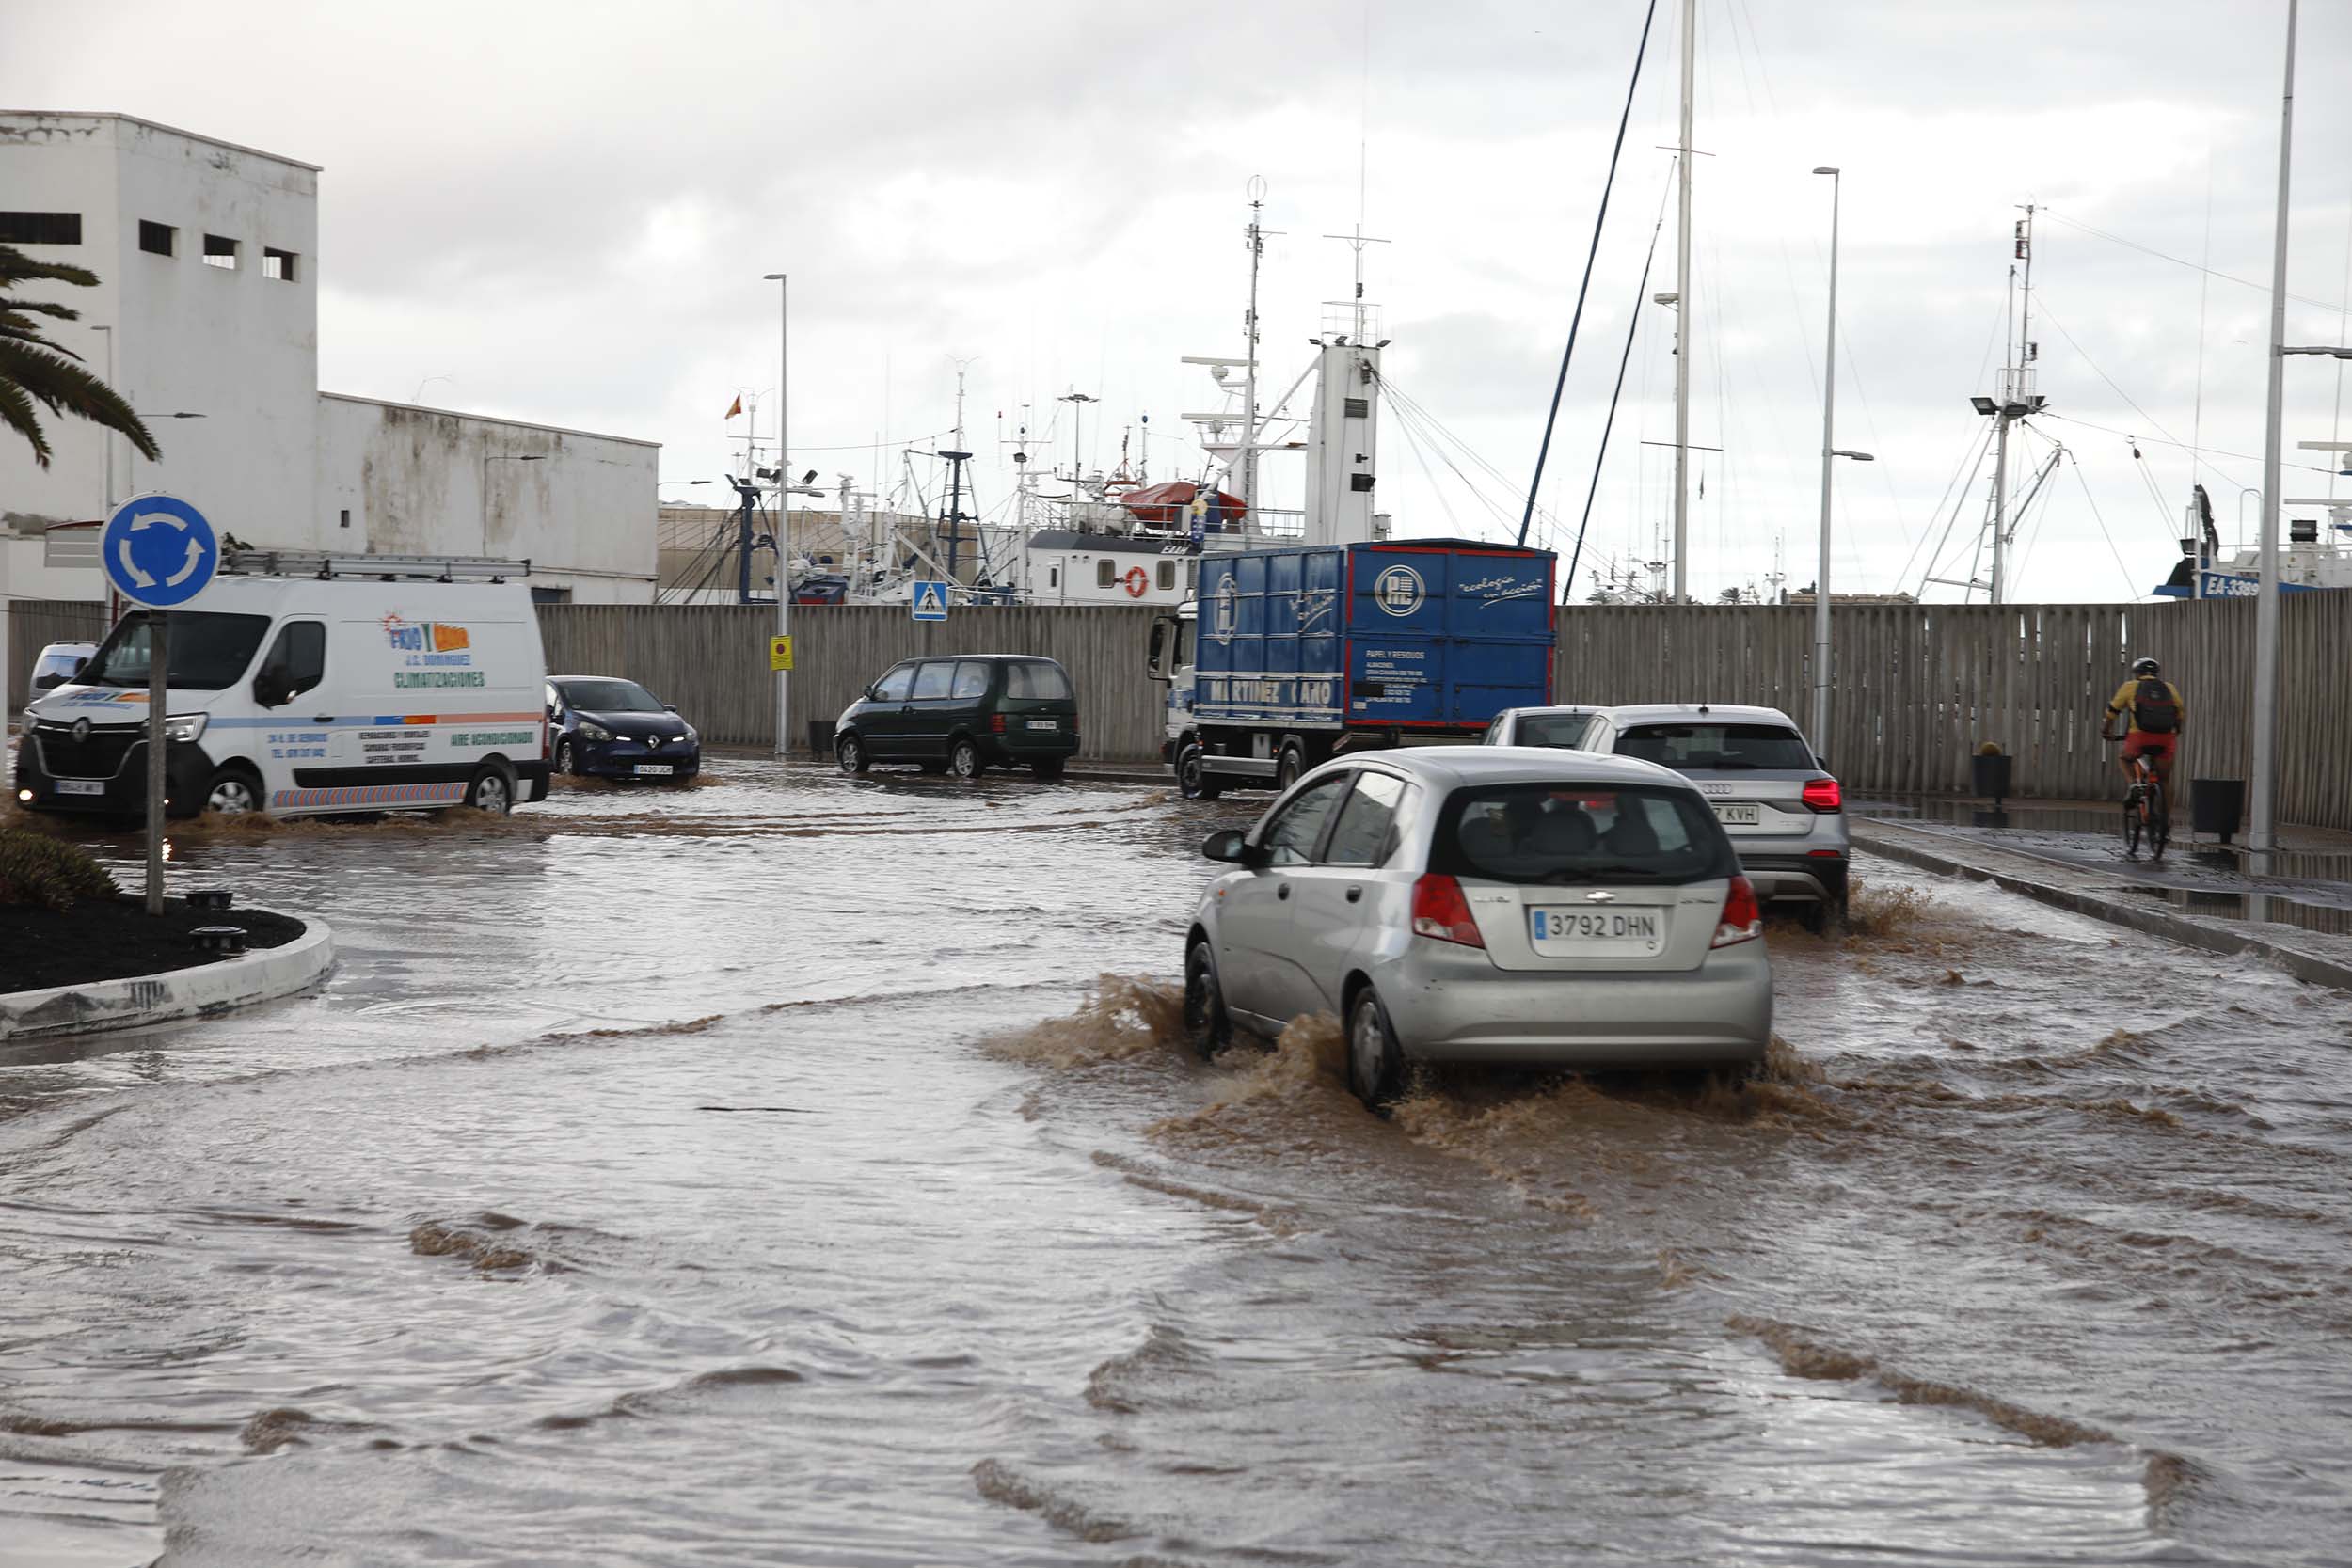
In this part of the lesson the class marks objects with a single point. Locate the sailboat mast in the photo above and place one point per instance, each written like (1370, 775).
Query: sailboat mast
(1249, 355)
(1682, 319)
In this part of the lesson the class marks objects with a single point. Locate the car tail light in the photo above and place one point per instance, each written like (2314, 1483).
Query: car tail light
(1822, 794)
(996, 723)
(1743, 919)
(1440, 911)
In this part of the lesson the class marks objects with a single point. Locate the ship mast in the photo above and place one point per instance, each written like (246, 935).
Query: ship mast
(1682, 317)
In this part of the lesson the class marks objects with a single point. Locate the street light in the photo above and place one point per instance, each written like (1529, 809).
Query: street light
(498, 457)
(1829, 452)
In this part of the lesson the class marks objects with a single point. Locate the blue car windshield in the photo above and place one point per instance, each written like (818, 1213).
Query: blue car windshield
(608, 697)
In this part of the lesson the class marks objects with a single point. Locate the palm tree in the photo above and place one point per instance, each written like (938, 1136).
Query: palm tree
(32, 367)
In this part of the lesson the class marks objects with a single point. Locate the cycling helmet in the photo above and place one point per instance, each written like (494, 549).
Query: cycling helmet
(2146, 666)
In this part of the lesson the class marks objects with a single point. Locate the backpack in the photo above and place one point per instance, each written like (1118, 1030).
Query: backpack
(2153, 711)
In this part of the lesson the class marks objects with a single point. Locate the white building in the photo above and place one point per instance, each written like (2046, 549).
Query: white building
(207, 305)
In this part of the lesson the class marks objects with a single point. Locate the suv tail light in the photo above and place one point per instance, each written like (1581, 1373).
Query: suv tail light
(996, 723)
(1822, 794)
(1440, 911)
(1743, 918)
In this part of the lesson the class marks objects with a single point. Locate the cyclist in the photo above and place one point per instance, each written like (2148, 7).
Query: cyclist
(2154, 708)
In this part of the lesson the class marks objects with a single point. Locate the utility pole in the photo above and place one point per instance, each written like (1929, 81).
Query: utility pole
(2262, 833)
(1682, 317)
(783, 506)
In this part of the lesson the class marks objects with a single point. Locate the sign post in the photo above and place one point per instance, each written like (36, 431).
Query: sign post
(779, 655)
(158, 552)
(930, 601)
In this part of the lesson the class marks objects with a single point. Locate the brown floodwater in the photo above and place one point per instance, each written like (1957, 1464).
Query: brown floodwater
(804, 1170)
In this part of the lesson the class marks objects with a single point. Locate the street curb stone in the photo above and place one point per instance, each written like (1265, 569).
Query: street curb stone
(2230, 940)
(202, 991)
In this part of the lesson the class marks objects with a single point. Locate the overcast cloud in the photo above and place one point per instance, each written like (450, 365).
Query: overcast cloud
(562, 213)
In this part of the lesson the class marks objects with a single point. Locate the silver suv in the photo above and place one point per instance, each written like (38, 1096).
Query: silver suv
(1783, 810)
(1485, 904)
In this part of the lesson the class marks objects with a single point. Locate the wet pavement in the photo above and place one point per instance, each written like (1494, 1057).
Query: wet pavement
(802, 1170)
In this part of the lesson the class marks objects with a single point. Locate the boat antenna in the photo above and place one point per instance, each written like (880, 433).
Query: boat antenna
(1527, 514)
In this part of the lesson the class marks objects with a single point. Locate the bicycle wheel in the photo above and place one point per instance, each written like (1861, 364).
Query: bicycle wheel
(2159, 818)
(2132, 822)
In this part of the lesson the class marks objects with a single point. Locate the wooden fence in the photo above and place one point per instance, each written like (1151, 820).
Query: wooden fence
(1916, 688)
(33, 625)
(713, 660)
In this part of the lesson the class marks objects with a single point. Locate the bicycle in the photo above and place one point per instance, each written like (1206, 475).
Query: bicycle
(2147, 810)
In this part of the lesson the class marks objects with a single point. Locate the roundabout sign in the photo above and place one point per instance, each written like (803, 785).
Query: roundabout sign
(158, 551)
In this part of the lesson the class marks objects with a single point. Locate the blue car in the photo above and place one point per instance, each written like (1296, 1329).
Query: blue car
(608, 728)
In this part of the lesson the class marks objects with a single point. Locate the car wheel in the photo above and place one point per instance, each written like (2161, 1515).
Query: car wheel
(1825, 917)
(850, 751)
(567, 756)
(1375, 1065)
(963, 759)
(1047, 767)
(1291, 764)
(1207, 1028)
(492, 790)
(232, 792)
(1193, 779)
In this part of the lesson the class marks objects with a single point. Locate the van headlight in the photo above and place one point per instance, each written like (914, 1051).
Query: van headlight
(594, 732)
(185, 726)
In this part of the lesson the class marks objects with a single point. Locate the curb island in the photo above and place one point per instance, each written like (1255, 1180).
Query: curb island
(258, 976)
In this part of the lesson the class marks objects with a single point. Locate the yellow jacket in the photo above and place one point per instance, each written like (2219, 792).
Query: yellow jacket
(2129, 690)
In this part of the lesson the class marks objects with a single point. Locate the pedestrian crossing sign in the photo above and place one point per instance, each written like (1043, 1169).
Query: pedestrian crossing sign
(930, 601)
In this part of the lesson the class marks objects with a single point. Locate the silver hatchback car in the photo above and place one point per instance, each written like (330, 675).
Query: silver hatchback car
(1485, 904)
(1785, 813)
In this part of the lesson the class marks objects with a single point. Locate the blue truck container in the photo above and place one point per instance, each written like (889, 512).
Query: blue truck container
(1297, 648)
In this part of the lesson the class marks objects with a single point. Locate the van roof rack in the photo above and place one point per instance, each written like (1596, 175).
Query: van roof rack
(386, 568)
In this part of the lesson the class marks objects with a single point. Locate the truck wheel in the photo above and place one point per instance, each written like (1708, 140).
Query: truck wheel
(492, 789)
(1293, 763)
(1193, 780)
(234, 792)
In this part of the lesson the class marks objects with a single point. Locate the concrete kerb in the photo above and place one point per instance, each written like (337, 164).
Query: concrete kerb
(260, 976)
(1921, 849)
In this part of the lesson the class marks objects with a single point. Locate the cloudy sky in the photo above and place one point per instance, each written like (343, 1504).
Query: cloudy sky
(562, 213)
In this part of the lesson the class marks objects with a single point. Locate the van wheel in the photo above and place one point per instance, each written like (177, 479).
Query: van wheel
(963, 759)
(1207, 1029)
(850, 751)
(234, 792)
(1291, 764)
(1193, 779)
(492, 789)
(1047, 767)
(1376, 1065)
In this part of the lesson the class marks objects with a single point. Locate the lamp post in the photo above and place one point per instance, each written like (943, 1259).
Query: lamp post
(498, 457)
(784, 504)
(1829, 452)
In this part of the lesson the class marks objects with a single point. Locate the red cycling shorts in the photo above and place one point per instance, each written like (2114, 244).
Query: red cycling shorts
(2139, 744)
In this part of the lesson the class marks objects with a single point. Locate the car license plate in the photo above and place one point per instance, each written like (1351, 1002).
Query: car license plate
(1572, 931)
(81, 786)
(655, 769)
(1742, 815)
(1045, 724)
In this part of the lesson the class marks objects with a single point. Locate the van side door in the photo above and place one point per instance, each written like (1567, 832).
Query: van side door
(301, 743)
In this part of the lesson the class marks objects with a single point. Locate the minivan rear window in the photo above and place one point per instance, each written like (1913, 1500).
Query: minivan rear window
(1035, 678)
(1703, 747)
(1579, 833)
(1563, 730)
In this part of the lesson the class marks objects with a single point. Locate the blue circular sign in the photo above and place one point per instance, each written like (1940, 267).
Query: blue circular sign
(158, 550)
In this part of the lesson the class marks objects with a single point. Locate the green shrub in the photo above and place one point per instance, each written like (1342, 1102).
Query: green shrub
(38, 869)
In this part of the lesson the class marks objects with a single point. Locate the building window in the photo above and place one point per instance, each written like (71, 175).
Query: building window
(1106, 572)
(346, 522)
(40, 229)
(158, 239)
(278, 265)
(220, 253)
(1168, 574)
(1053, 577)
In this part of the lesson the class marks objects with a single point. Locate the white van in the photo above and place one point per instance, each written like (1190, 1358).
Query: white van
(310, 692)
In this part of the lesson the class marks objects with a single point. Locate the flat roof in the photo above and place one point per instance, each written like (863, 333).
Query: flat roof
(154, 125)
(493, 418)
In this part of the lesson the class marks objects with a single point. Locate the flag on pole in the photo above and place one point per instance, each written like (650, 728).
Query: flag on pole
(737, 407)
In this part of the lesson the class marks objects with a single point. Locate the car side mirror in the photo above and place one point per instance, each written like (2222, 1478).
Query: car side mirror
(669, 707)
(50, 682)
(269, 689)
(1231, 846)
(873, 693)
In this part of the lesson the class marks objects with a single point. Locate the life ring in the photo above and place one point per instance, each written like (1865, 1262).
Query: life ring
(1138, 581)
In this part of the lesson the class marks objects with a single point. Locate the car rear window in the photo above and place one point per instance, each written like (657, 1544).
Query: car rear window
(1035, 678)
(1703, 747)
(1579, 833)
(1551, 729)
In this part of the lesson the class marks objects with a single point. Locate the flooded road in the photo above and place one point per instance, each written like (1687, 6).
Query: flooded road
(767, 1173)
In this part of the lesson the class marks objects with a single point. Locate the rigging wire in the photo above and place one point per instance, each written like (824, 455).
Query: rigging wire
(2178, 262)
(2130, 587)
(1591, 255)
(2052, 317)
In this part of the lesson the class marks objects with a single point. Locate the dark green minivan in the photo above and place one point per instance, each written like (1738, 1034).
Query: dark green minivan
(963, 714)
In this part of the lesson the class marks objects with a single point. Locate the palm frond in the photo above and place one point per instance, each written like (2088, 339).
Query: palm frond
(16, 412)
(17, 267)
(68, 388)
